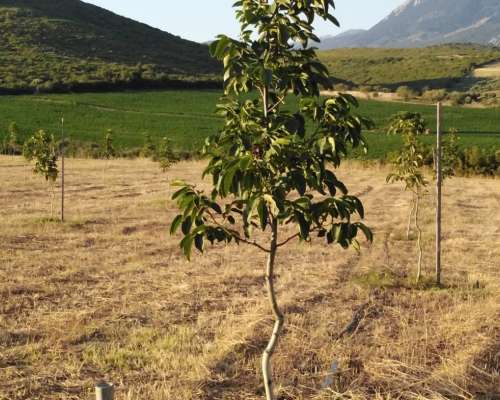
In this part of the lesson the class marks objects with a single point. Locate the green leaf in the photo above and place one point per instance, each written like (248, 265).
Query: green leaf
(175, 224)
(186, 225)
(186, 246)
(263, 214)
(228, 178)
(366, 231)
(303, 224)
(198, 242)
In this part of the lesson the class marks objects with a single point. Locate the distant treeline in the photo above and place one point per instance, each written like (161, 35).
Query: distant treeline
(108, 86)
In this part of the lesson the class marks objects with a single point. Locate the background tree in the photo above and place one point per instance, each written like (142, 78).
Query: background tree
(109, 149)
(408, 165)
(450, 158)
(267, 171)
(164, 154)
(41, 148)
(149, 147)
(11, 140)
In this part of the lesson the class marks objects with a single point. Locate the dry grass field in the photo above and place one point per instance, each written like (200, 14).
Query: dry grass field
(108, 296)
(491, 70)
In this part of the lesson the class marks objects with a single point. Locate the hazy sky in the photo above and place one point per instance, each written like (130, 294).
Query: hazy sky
(202, 20)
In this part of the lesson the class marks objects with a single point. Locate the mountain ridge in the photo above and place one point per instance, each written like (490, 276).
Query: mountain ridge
(419, 23)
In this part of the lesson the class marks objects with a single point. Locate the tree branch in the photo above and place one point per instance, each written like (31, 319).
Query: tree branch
(237, 235)
(288, 240)
(252, 243)
(294, 237)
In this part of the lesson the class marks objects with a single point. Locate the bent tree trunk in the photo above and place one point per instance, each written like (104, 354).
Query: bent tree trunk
(278, 315)
(412, 210)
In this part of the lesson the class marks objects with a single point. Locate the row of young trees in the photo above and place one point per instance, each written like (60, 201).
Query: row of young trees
(44, 150)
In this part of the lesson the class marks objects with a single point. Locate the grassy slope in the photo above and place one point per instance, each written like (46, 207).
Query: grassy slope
(187, 118)
(71, 41)
(435, 67)
(108, 295)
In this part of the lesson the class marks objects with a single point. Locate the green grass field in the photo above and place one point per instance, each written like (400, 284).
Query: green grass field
(187, 117)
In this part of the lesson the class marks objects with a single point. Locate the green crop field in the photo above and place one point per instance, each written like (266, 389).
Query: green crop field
(187, 117)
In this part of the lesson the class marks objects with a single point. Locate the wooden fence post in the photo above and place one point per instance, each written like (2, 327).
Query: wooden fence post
(439, 180)
(104, 391)
(63, 145)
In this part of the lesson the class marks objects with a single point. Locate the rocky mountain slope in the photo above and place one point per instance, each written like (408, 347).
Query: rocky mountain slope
(427, 22)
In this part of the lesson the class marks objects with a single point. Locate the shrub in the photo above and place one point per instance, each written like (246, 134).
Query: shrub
(456, 98)
(341, 87)
(435, 95)
(406, 93)
(365, 89)
(109, 149)
(149, 147)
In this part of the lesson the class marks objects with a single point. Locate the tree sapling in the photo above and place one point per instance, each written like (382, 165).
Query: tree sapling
(270, 166)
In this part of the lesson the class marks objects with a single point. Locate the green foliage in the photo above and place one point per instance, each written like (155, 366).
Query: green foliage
(406, 93)
(409, 161)
(435, 95)
(164, 154)
(450, 155)
(41, 148)
(270, 165)
(149, 147)
(11, 140)
(475, 160)
(108, 148)
(407, 123)
(408, 164)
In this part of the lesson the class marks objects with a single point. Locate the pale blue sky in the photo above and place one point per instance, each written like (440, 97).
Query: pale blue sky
(202, 20)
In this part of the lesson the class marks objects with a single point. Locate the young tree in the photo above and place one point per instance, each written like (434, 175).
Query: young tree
(12, 139)
(41, 148)
(267, 171)
(109, 149)
(408, 166)
(446, 157)
(149, 148)
(164, 154)
(450, 158)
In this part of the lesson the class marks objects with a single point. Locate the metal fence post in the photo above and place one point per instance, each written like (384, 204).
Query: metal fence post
(104, 391)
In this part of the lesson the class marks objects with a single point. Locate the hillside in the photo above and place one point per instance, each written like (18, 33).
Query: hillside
(49, 44)
(443, 66)
(427, 22)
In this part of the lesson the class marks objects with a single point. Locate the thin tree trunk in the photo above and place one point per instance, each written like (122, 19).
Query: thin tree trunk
(412, 210)
(53, 195)
(278, 315)
(419, 238)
